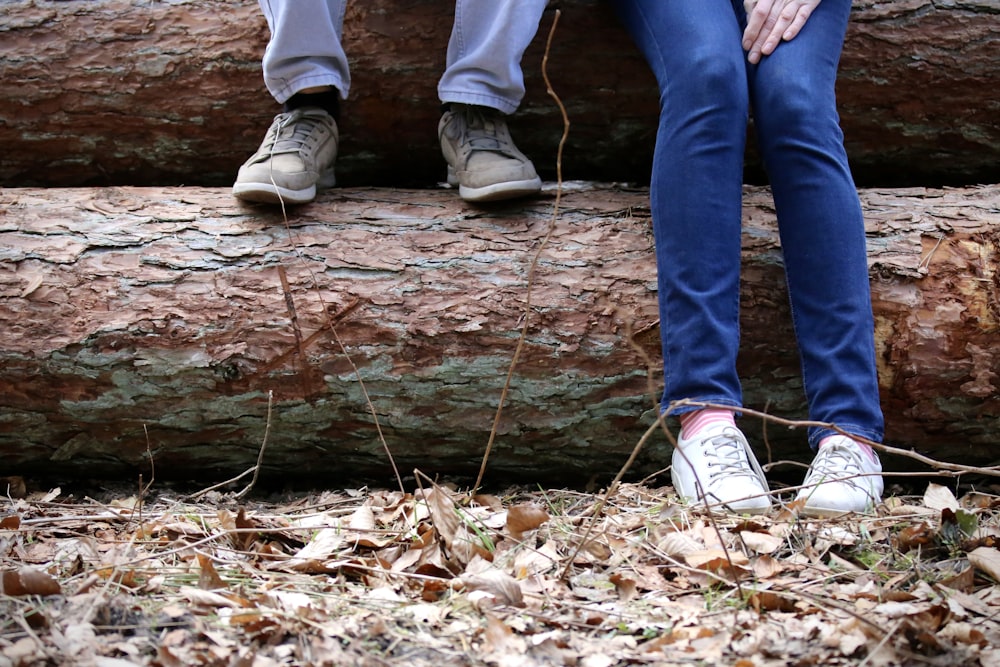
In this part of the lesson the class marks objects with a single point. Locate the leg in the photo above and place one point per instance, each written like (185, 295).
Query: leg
(821, 224)
(487, 43)
(696, 189)
(305, 48)
(482, 82)
(823, 241)
(696, 197)
(305, 68)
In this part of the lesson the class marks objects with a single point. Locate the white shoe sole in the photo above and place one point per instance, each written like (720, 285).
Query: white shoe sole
(734, 507)
(497, 191)
(268, 193)
(501, 191)
(824, 512)
(820, 512)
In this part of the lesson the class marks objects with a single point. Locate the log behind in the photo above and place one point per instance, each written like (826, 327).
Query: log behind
(129, 92)
(156, 317)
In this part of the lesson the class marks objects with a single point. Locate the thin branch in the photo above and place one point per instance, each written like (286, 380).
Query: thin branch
(991, 471)
(263, 446)
(534, 261)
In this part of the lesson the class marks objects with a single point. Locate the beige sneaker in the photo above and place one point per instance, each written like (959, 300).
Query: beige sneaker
(295, 159)
(482, 158)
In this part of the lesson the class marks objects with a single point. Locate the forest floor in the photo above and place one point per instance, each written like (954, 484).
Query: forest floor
(525, 577)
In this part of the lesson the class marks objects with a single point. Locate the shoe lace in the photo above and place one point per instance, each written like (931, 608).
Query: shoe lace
(481, 130)
(836, 462)
(292, 132)
(727, 458)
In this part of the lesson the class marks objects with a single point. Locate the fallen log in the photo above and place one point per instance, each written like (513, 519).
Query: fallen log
(157, 322)
(128, 92)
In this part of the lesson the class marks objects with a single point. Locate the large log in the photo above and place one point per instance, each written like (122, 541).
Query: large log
(130, 92)
(158, 318)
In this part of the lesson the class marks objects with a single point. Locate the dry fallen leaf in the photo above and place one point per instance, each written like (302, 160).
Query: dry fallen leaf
(939, 497)
(208, 577)
(766, 567)
(28, 581)
(914, 536)
(679, 545)
(986, 559)
(328, 541)
(769, 601)
(207, 598)
(503, 588)
(501, 640)
(448, 524)
(964, 581)
(396, 594)
(625, 586)
(761, 543)
(716, 560)
(522, 518)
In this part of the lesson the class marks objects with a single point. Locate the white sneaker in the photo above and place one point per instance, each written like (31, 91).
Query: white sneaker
(717, 466)
(842, 478)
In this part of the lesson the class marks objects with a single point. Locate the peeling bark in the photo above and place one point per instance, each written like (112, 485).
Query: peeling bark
(130, 92)
(129, 311)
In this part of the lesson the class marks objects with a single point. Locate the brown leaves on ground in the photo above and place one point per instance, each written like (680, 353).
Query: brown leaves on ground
(366, 577)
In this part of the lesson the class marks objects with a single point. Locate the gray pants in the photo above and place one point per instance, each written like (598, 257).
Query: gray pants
(488, 39)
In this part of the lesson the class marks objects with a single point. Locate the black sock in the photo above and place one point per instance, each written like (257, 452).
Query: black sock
(328, 101)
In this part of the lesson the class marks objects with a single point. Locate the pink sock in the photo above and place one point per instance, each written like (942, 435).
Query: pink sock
(693, 422)
(869, 452)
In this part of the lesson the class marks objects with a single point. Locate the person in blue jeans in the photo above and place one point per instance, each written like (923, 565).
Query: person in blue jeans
(716, 62)
(306, 70)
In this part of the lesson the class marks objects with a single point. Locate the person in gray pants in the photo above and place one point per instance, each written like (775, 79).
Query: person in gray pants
(306, 70)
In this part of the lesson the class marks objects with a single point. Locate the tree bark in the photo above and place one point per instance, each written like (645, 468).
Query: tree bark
(158, 321)
(129, 92)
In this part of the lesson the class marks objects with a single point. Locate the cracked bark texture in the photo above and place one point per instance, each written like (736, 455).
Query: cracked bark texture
(132, 92)
(156, 317)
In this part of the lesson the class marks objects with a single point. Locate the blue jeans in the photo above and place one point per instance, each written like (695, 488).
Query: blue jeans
(483, 66)
(707, 91)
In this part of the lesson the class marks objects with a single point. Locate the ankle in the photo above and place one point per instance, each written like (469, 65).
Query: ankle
(693, 422)
(328, 100)
(864, 448)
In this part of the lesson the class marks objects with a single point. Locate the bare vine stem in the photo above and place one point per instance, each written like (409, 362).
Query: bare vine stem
(534, 261)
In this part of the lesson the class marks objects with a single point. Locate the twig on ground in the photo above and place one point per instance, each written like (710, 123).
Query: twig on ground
(254, 470)
(144, 489)
(263, 446)
(34, 636)
(607, 495)
(198, 494)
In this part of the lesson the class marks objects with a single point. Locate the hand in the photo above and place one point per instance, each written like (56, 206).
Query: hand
(771, 21)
